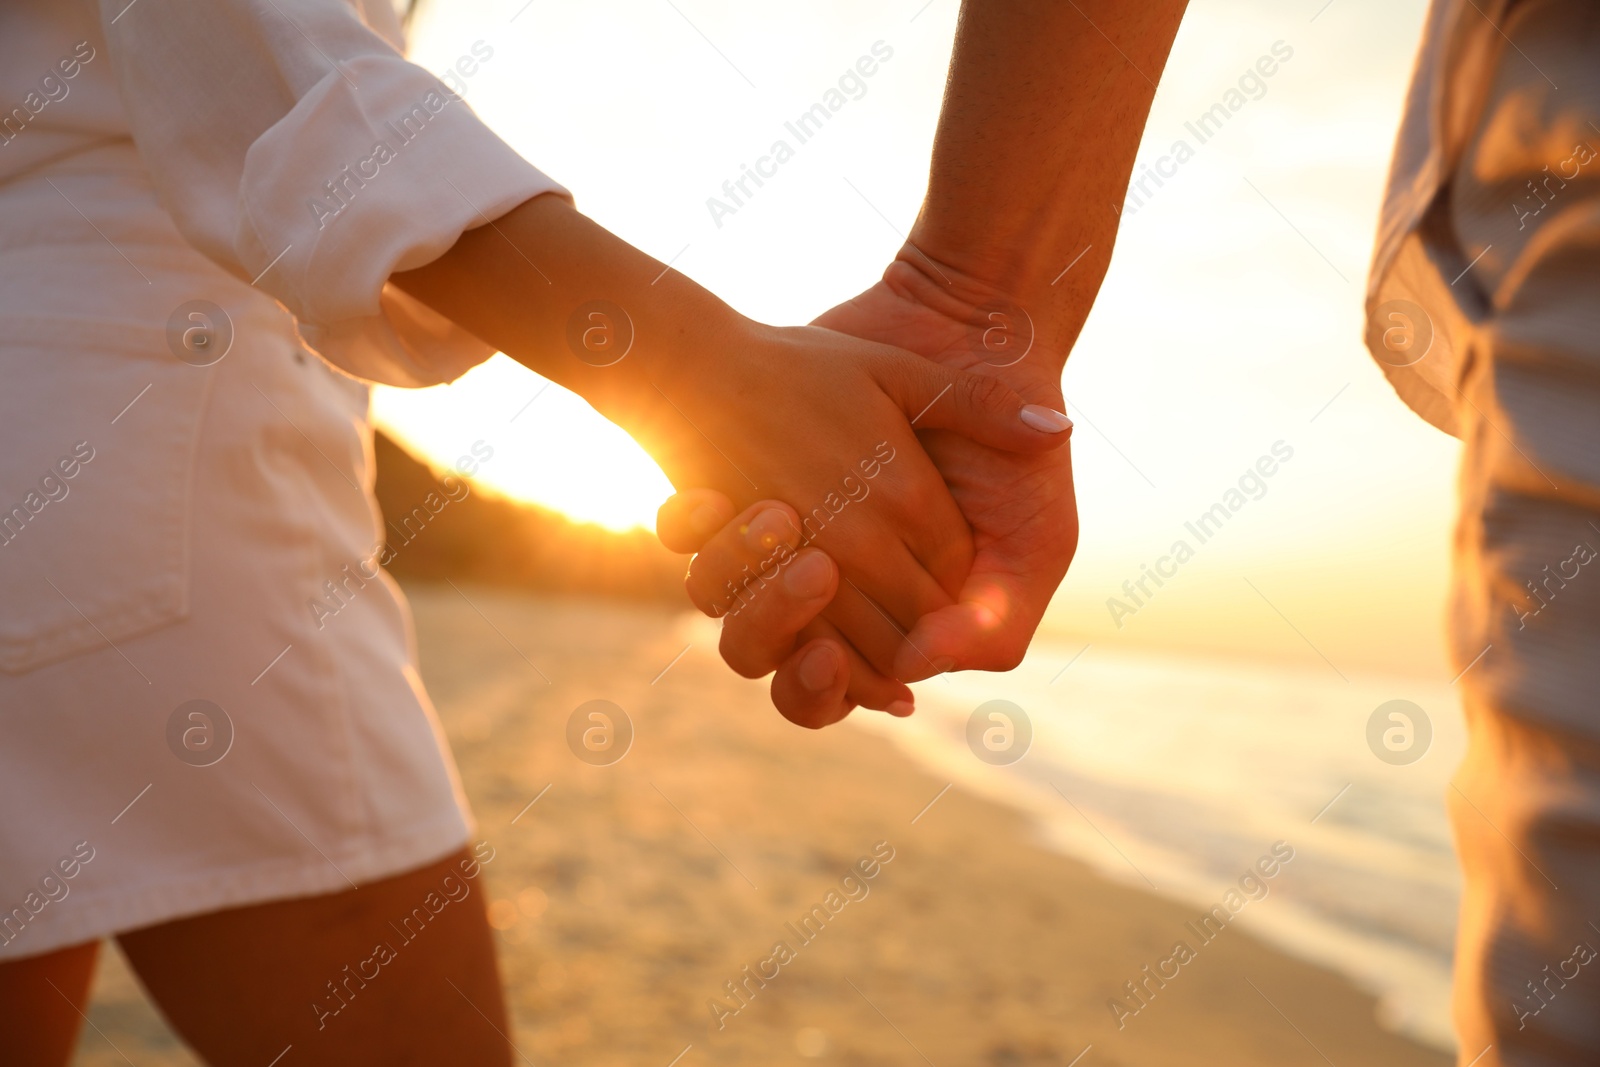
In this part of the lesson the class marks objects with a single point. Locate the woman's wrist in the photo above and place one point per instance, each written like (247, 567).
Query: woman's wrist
(570, 300)
(573, 302)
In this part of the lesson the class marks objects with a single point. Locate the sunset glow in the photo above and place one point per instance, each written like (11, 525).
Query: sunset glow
(1230, 320)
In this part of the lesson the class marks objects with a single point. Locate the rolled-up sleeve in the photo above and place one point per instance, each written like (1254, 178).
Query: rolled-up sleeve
(296, 147)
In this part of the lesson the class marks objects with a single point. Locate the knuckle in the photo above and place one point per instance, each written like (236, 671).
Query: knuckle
(918, 501)
(985, 393)
(711, 588)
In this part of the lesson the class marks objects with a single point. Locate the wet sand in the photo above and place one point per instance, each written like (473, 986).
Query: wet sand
(629, 894)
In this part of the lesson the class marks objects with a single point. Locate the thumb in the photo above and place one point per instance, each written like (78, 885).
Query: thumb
(965, 636)
(976, 406)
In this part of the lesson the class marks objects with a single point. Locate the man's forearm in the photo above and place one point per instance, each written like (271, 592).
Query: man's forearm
(1043, 112)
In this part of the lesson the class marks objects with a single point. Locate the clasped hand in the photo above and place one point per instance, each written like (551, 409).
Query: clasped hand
(916, 508)
(981, 519)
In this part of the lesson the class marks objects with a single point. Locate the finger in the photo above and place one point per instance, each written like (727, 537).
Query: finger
(974, 405)
(917, 503)
(866, 686)
(689, 519)
(1016, 571)
(869, 627)
(899, 537)
(742, 558)
(746, 574)
(961, 637)
(759, 636)
(809, 688)
(989, 629)
(823, 680)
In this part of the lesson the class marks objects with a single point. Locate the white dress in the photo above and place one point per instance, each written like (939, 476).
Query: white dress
(180, 729)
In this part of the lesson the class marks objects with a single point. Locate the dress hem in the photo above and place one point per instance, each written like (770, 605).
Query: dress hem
(118, 909)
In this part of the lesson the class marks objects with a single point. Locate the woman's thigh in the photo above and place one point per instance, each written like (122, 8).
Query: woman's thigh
(42, 999)
(400, 971)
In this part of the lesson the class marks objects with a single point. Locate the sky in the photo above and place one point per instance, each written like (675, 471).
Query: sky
(1229, 324)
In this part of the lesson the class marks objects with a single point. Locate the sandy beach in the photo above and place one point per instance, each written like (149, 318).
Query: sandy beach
(863, 913)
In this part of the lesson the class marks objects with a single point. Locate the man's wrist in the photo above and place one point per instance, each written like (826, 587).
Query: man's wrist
(1033, 263)
(1007, 325)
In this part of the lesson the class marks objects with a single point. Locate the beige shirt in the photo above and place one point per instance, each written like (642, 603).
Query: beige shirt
(1421, 300)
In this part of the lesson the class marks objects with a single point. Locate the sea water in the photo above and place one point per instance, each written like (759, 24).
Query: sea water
(1174, 774)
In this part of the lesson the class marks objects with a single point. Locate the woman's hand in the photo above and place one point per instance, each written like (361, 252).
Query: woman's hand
(781, 629)
(820, 420)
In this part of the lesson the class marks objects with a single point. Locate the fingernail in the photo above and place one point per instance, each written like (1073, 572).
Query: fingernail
(808, 576)
(819, 668)
(704, 519)
(901, 708)
(1045, 420)
(766, 530)
(944, 664)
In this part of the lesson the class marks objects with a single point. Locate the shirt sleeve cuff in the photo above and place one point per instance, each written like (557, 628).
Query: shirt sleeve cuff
(379, 169)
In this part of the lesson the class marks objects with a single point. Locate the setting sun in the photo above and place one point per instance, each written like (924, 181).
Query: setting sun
(550, 447)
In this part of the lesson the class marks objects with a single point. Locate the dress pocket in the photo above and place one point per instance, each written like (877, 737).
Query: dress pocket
(99, 424)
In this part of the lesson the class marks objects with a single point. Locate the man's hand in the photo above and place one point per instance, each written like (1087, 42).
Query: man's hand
(1022, 508)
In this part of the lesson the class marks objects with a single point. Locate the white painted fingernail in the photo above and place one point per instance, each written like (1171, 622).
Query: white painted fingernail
(1045, 420)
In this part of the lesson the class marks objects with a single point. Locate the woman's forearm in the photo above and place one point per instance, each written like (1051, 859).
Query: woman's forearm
(570, 300)
(1043, 112)
(525, 280)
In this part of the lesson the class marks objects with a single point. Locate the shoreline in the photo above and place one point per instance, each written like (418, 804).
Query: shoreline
(1170, 772)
